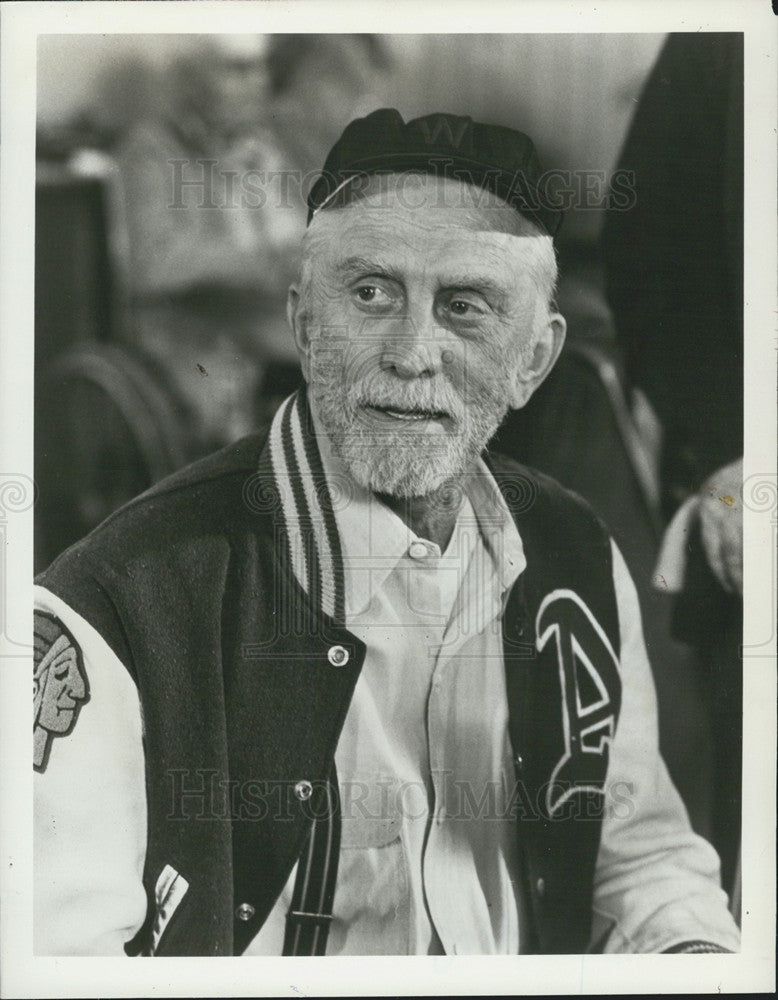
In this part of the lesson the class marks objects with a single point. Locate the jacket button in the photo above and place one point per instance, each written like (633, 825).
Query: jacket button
(303, 790)
(338, 656)
(245, 911)
(540, 887)
(519, 762)
(418, 550)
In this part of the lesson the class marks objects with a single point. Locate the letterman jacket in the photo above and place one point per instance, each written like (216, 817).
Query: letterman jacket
(221, 591)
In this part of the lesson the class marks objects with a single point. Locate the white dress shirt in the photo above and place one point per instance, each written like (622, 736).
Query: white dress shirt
(428, 850)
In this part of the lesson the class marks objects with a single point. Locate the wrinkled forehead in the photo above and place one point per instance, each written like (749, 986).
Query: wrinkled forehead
(430, 198)
(418, 215)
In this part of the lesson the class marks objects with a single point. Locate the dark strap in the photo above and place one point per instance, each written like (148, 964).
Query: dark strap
(309, 917)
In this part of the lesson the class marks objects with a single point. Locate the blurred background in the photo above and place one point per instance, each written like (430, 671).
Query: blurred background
(167, 273)
(171, 184)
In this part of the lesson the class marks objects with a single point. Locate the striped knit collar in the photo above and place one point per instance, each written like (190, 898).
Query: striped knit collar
(311, 530)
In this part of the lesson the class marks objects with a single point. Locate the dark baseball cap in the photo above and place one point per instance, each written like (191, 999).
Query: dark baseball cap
(493, 157)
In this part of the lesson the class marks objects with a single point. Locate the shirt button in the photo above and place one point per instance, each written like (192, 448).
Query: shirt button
(418, 550)
(303, 790)
(519, 762)
(338, 656)
(245, 911)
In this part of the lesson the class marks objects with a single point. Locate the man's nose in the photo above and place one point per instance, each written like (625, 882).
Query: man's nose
(414, 348)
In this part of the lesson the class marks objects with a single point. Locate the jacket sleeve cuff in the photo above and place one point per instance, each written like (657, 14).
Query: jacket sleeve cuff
(695, 948)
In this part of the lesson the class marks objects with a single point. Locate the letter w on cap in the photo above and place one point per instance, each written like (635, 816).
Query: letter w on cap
(443, 124)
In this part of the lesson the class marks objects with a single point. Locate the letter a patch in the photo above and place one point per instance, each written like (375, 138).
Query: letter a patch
(60, 686)
(591, 695)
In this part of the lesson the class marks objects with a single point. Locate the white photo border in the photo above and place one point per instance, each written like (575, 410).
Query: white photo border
(751, 970)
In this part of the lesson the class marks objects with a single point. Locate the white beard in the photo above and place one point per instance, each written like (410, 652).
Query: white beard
(409, 461)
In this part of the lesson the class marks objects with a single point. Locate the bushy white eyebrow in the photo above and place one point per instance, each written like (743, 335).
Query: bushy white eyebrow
(362, 265)
(463, 281)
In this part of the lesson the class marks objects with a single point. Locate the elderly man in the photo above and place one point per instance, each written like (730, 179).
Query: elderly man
(356, 686)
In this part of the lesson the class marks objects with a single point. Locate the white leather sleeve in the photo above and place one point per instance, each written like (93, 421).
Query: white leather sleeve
(657, 883)
(90, 807)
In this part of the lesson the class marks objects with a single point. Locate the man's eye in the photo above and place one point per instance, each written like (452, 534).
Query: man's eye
(372, 294)
(464, 308)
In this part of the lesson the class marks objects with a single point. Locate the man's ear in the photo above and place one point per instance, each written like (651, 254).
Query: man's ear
(295, 316)
(547, 349)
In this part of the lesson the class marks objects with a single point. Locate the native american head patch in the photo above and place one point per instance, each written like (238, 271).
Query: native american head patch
(60, 686)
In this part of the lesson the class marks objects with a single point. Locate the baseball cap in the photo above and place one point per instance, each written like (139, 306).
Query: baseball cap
(499, 159)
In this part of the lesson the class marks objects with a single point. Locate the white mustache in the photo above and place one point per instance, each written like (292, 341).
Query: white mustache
(428, 401)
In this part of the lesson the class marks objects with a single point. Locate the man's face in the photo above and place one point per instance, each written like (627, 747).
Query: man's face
(418, 324)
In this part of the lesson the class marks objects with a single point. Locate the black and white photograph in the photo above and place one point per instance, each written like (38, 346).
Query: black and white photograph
(388, 499)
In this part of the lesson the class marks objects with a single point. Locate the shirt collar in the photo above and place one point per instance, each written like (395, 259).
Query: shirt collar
(374, 539)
